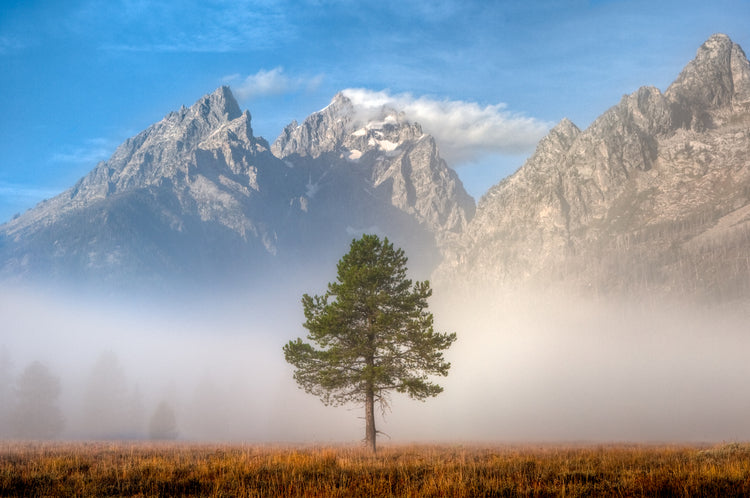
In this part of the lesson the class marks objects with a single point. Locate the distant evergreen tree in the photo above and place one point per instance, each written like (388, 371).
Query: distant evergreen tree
(373, 333)
(36, 414)
(163, 424)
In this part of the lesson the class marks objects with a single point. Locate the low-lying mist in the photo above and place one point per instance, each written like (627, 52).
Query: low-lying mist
(526, 367)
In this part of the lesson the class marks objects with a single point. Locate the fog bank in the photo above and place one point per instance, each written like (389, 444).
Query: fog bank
(526, 367)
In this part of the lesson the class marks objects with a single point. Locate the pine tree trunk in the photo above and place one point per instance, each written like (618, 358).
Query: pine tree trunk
(370, 431)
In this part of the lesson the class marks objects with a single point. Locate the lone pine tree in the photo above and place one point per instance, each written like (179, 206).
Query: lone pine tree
(373, 334)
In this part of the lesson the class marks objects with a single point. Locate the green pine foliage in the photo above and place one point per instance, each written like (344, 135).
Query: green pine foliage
(371, 333)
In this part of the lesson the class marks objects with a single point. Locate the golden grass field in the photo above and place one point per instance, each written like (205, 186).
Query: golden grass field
(174, 469)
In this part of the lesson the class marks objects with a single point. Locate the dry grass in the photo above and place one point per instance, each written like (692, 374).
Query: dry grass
(143, 469)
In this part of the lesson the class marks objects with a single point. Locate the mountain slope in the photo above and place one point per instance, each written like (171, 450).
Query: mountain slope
(162, 204)
(400, 164)
(198, 198)
(653, 197)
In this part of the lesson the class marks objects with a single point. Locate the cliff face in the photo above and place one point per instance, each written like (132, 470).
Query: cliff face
(653, 196)
(392, 156)
(188, 188)
(197, 197)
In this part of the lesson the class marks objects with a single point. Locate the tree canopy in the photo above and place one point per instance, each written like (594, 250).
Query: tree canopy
(36, 414)
(371, 333)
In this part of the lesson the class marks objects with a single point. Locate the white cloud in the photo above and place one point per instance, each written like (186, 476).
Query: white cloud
(187, 26)
(265, 83)
(16, 191)
(93, 151)
(15, 198)
(465, 131)
(9, 44)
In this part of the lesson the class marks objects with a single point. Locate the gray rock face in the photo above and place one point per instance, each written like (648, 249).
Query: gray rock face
(322, 132)
(654, 196)
(418, 180)
(197, 197)
(390, 155)
(194, 185)
(718, 79)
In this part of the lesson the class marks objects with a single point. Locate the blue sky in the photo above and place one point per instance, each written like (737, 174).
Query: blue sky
(79, 77)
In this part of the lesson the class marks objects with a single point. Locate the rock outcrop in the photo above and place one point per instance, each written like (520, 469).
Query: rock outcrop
(198, 198)
(171, 201)
(393, 156)
(653, 197)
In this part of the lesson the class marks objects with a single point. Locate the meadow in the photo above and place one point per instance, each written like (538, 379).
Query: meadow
(181, 469)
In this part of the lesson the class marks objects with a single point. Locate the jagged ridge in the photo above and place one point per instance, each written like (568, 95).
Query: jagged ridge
(400, 161)
(197, 196)
(653, 196)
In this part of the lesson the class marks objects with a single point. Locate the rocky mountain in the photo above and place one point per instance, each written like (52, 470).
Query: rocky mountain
(653, 197)
(197, 197)
(399, 163)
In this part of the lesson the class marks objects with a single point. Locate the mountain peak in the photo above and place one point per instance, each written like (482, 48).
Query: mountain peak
(559, 139)
(651, 198)
(340, 98)
(566, 128)
(340, 107)
(717, 42)
(343, 119)
(718, 76)
(221, 104)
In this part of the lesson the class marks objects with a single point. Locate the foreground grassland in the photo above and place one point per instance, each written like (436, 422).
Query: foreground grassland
(142, 469)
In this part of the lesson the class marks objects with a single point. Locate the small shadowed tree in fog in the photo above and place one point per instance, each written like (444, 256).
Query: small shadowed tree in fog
(373, 333)
(36, 414)
(163, 424)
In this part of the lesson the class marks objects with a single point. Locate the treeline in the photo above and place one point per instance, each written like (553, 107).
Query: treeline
(670, 258)
(31, 404)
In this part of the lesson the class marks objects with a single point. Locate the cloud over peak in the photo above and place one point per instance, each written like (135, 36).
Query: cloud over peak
(465, 131)
(271, 82)
(92, 151)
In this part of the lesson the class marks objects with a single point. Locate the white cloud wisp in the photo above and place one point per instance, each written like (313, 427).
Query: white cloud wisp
(267, 83)
(465, 131)
(187, 27)
(92, 151)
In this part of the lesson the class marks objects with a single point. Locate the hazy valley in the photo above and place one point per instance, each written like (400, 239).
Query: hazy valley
(599, 293)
